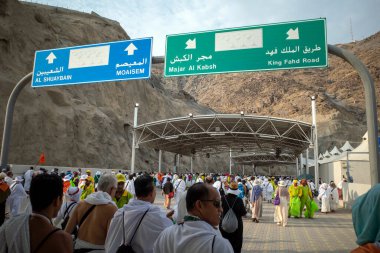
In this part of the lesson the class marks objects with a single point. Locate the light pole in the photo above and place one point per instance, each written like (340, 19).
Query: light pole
(191, 164)
(134, 137)
(315, 140)
(159, 160)
(307, 161)
(230, 161)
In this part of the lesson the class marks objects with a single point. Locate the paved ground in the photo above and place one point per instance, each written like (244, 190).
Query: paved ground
(331, 232)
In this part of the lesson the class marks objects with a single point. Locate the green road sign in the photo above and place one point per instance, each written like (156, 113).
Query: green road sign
(298, 44)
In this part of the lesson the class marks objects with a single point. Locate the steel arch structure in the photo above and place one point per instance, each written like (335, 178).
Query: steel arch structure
(268, 158)
(219, 133)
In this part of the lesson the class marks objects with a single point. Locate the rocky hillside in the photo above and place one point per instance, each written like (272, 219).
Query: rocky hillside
(84, 125)
(90, 125)
(340, 103)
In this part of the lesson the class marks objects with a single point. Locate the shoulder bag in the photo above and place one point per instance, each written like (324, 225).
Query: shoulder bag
(127, 248)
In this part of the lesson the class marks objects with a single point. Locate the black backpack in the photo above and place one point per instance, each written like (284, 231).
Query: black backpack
(66, 215)
(127, 248)
(221, 191)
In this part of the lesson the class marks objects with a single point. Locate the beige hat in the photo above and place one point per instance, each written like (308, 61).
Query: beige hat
(256, 182)
(2, 175)
(281, 183)
(234, 188)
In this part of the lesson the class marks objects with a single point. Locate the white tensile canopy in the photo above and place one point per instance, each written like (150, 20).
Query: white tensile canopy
(347, 147)
(335, 151)
(350, 153)
(326, 154)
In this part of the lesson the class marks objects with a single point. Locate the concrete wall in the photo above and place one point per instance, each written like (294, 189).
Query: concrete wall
(19, 169)
(333, 171)
(351, 191)
(326, 172)
(359, 170)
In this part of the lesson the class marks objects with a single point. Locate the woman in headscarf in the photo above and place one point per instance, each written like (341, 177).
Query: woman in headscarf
(256, 200)
(295, 192)
(231, 200)
(281, 211)
(366, 221)
(324, 197)
(66, 183)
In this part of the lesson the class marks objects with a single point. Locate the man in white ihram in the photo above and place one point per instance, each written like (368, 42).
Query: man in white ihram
(199, 232)
(28, 179)
(18, 198)
(129, 185)
(126, 224)
(179, 187)
(268, 190)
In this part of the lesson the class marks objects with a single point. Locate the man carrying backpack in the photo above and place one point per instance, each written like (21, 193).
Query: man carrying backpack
(231, 225)
(139, 223)
(72, 198)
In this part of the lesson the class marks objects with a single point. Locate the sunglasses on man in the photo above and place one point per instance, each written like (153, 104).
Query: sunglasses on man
(216, 202)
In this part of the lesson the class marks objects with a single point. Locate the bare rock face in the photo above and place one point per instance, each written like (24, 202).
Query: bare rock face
(84, 125)
(90, 125)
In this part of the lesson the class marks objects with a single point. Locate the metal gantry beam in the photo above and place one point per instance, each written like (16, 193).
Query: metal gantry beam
(264, 158)
(219, 133)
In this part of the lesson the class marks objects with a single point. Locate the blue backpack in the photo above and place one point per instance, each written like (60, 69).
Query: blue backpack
(241, 188)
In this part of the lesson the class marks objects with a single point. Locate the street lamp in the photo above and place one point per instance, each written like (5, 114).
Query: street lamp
(134, 137)
(315, 139)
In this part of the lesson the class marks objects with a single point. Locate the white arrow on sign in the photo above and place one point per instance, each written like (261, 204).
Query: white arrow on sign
(51, 57)
(191, 44)
(131, 49)
(293, 34)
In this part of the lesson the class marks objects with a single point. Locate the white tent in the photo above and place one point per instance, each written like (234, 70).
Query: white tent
(347, 147)
(335, 151)
(320, 157)
(360, 153)
(326, 154)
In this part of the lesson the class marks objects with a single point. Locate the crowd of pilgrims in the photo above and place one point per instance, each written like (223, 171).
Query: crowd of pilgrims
(114, 212)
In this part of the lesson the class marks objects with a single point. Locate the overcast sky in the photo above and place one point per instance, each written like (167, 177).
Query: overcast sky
(157, 18)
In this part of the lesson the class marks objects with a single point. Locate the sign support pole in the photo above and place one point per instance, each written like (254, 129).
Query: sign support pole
(370, 105)
(9, 118)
